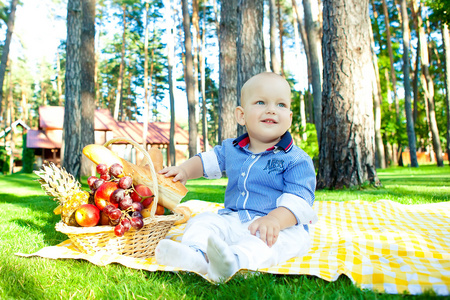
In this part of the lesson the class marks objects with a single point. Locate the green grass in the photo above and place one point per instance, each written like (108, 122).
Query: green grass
(27, 225)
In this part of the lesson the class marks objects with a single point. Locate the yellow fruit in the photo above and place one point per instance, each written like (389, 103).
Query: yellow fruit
(65, 189)
(71, 205)
(57, 210)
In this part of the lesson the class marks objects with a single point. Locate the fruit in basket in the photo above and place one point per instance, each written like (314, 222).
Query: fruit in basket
(117, 196)
(133, 184)
(115, 214)
(143, 194)
(104, 219)
(116, 170)
(159, 211)
(137, 206)
(169, 193)
(91, 180)
(119, 230)
(102, 169)
(125, 182)
(65, 189)
(103, 194)
(136, 223)
(126, 203)
(87, 215)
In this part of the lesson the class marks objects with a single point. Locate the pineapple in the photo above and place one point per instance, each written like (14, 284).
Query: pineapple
(61, 185)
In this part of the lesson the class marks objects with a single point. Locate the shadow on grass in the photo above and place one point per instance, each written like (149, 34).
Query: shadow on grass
(21, 178)
(50, 236)
(36, 203)
(41, 212)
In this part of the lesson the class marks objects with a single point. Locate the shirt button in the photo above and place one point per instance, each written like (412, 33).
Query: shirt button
(253, 156)
(242, 174)
(243, 193)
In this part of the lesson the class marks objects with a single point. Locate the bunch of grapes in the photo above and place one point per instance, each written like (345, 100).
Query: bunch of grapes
(119, 209)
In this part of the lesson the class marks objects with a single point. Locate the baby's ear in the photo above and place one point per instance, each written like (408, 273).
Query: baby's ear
(239, 114)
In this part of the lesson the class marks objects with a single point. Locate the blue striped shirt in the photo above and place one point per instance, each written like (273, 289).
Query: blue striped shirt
(260, 182)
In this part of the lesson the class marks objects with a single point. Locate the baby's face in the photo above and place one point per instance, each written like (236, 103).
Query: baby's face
(266, 103)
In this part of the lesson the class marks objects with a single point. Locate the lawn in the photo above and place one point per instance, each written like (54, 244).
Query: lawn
(27, 225)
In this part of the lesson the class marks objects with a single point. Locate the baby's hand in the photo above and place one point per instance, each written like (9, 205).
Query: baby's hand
(268, 227)
(178, 174)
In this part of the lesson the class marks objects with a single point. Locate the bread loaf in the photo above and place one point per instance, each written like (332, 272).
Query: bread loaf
(170, 193)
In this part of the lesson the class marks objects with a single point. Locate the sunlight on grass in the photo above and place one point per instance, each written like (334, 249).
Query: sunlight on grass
(27, 225)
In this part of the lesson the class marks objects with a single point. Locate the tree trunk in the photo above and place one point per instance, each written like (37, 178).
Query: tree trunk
(195, 55)
(72, 109)
(274, 64)
(189, 79)
(415, 81)
(170, 60)
(118, 103)
(446, 39)
(407, 85)
(428, 87)
(59, 80)
(303, 117)
(301, 95)
(416, 84)
(24, 102)
(203, 85)
(250, 44)
(391, 60)
(380, 161)
(5, 50)
(315, 51)
(11, 120)
(87, 57)
(227, 69)
(302, 32)
(347, 151)
(146, 101)
(280, 36)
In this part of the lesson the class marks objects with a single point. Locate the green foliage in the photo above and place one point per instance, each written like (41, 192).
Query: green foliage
(212, 105)
(3, 14)
(310, 145)
(441, 10)
(4, 161)
(27, 157)
(133, 78)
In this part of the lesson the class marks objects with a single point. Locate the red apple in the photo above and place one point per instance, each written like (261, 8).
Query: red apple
(87, 215)
(143, 194)
(103, 194)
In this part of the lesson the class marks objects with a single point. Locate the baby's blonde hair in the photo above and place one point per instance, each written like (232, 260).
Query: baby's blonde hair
(248, 84)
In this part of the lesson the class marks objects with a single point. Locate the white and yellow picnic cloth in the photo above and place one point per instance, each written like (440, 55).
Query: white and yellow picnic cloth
(383, 246)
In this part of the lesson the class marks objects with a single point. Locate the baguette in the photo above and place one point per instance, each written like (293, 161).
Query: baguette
(170, 193)
(157, 158)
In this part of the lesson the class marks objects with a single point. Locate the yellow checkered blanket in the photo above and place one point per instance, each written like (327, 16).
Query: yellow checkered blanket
(382, 246)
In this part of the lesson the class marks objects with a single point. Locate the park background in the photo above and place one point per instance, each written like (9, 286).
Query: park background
(184, 62)
(361, 42)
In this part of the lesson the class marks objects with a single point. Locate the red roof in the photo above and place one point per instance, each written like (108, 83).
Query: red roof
(52, 117)
(50, 139)
(158, 132)
(51, 120)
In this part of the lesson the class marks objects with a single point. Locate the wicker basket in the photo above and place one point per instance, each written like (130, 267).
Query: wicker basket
(136, 243)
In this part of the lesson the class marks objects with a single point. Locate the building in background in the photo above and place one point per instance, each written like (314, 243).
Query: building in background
(47, 139)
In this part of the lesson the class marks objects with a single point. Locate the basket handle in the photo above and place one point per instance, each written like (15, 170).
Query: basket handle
(152, 168)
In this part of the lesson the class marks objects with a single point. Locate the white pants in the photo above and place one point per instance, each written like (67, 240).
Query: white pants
(251, 251)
